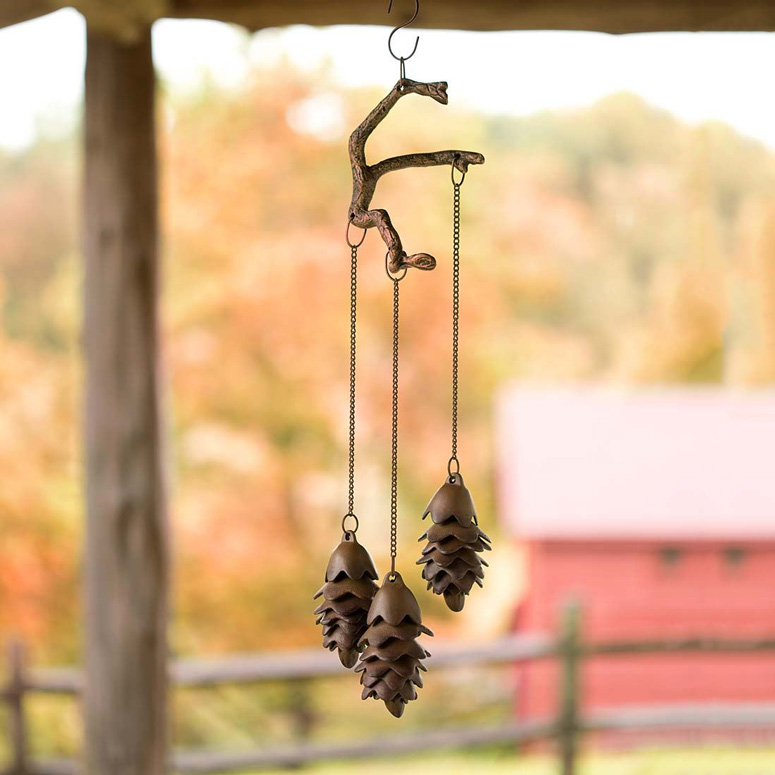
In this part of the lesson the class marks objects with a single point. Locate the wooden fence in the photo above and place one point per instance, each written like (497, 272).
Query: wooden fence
(304, 666)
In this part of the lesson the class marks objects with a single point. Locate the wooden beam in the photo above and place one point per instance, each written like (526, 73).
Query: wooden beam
(719, 715)
(679, 645)
(305, 664)
(615, 16)
(126, 533)
(17, 11)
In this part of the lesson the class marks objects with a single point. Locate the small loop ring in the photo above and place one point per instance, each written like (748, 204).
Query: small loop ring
(344, 520)
(347, 235)
(454, 474)
(452, 174)
(396, 278)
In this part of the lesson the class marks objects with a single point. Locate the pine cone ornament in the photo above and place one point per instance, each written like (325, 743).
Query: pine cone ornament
(347, 594)
(391, 664)
(451, 560)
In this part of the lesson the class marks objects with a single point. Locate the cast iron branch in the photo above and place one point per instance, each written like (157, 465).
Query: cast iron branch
(365, 176)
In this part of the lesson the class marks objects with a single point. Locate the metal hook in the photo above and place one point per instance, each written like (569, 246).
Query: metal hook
(401, 26)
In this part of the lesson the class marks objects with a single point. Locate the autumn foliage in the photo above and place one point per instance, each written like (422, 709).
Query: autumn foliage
(612, 243)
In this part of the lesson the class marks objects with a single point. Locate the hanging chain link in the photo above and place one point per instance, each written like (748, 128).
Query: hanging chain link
(353, 329)
(394, 438)
(351, 429)
(455, 317)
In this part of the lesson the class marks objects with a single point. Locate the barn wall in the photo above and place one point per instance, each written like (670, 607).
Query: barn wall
(651, 589)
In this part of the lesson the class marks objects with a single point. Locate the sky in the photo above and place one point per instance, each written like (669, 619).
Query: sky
(696, 76)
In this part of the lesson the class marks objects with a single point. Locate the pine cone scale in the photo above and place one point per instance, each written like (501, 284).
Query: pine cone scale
(393, 650)
(344, 607)
(469, 557)
(335, 590)
(453, 546)
(452, 529)
(452, 501)
(404, 667)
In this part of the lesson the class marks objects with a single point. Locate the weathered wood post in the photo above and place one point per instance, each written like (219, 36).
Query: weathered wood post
(568, 719)
(302, 713)
(126, 533)
(14, 694)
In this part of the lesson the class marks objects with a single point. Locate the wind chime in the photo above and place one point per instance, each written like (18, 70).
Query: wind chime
(375, 628)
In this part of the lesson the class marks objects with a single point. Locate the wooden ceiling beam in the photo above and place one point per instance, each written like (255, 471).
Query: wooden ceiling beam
(613, 16)
(17, 11)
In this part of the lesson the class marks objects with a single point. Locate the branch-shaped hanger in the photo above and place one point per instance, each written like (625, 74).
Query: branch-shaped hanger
(365, 176)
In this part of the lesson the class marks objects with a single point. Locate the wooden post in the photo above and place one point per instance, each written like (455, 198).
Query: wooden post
(568, 720)
(302, 714)
(126, 533)
(17, 724)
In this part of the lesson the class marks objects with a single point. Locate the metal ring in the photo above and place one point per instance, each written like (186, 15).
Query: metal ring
(357, 523)
(394, 278)
(454, 474)
(452, 174)
(347, 235)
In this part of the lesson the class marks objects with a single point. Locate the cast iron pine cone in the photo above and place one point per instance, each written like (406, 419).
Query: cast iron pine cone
(454, 541)
(391, 664)
(350, 586)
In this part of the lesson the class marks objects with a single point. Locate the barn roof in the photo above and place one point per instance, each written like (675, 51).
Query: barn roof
(616, 16)
(672, 464)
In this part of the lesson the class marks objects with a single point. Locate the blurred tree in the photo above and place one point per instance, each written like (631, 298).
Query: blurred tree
(598, 244)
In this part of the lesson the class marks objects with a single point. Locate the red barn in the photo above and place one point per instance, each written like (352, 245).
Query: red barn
(657, 511)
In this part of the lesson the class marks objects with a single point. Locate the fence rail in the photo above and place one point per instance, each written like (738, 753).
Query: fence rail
(298, 665)
(307, 665)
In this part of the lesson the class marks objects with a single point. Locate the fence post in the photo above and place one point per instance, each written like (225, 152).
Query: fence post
(302, 713)
(15, 697)
(568, 720)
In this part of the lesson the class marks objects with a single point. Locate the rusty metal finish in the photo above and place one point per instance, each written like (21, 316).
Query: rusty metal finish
(366, 176)
(454, 541)
(391, 662)
(347, 594)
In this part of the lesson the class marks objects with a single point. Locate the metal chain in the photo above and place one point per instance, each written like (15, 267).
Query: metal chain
(394, 439)
(351, 428)
(455, 316)
(353, 329)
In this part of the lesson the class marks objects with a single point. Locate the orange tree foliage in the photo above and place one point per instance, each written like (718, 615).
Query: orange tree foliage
(602, 244)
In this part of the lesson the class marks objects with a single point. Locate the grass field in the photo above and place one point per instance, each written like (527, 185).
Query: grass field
(707, 761)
